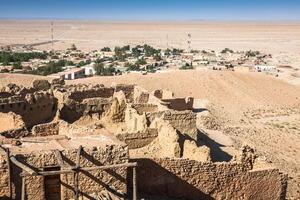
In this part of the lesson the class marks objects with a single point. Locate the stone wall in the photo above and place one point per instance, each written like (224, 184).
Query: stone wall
(91, 93)
(180, 104)
(144, 108)
(4, 187)
(188, 179)
(183, 121)
(127, 89)
(45, 129)
(138, 140)
(113, 181)
(34, 108)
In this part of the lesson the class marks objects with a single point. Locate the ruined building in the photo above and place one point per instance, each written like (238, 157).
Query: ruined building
(120, 142)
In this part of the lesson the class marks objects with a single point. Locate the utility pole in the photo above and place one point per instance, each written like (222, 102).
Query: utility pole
(52, 37)
(167, 41)
(189, 42)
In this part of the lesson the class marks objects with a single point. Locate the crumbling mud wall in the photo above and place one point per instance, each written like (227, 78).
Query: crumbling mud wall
(34, 108)
(9, 121)
(139, 139)
(183, 121)
(4, 186)
(180, 104)
(93, 92)
(90, 183)
(145, 108)
(189, 179)
(127, 89)
(46, 129)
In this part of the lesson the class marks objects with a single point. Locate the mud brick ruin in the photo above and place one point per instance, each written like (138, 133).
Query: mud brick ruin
(121, 142)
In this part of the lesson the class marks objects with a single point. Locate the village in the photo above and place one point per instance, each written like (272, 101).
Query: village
(73, 63)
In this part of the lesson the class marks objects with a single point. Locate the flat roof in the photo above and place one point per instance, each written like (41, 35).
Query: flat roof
(73, 70)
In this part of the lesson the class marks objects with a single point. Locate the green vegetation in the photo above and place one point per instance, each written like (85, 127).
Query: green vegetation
(120, 53)
(104, 71)
(186, 66)
(195, 51)
(141, 62)
(82, 63)
(177, 51)
(132, 67)
(136, 52)
(9, 57)
(150, 51)
(227, 50)
(17, 65)
(106, 49)
(252, 53)
(73, 47)
(51, 68)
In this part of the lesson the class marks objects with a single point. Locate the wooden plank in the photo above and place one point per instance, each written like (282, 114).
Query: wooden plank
(23, 195)
(59, 157)
(6, 151)
(67, 171)
(9, 173)
(134, 184)
(76, 175)
(2, 150)
(60, 161)
(22, 166)
(78, 156)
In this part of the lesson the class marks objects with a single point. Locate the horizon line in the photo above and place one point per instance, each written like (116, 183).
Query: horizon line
(146, 20)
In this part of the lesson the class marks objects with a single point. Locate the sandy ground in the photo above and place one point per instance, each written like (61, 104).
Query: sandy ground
(89, 35)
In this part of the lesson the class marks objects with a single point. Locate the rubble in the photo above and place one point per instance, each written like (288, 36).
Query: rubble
(98, 141)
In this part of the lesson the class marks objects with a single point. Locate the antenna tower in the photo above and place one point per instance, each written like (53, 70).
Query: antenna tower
(52, 37)
(189, 41)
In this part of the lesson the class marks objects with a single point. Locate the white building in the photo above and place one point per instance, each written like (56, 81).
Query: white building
(70, 74)
(89, 69)
(264, 68)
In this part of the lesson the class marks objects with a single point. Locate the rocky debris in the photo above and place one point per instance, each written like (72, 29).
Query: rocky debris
(248, 156)
(210, 122)
(163, 94)
(58, 81)
(193, 152)
(41, 85)
(10, 121)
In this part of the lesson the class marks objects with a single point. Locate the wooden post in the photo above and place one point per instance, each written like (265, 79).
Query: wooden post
(23, 195)
(134, 184)
(76, 175)
(22, 166)
(9, 173)
(5, 151)
(68, 171)
(59, 157)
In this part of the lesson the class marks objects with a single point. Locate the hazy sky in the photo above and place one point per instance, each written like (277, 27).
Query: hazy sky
(152, 9)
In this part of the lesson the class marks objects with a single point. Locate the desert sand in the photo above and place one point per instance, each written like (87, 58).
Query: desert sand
(89, 35)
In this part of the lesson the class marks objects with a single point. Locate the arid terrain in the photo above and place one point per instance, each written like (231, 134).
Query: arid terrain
(243, 108)
(89, 35)
(281, 39)
(252, 108)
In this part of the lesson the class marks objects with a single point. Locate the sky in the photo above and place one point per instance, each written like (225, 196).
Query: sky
(151, 9)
